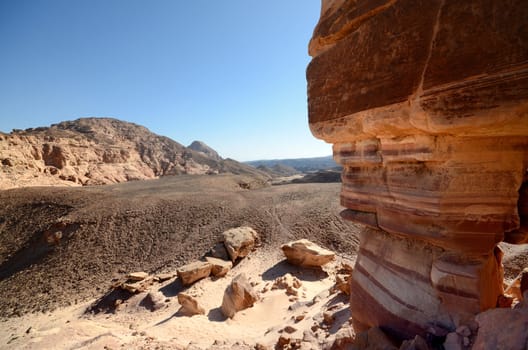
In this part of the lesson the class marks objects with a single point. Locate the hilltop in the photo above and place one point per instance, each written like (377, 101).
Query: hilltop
(96, 151)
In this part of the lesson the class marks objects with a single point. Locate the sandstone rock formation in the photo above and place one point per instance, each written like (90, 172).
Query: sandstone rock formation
(239, 241)
(94, 151)
(239, 295)
(307, 254)
(194, 271)
(426, 104)
(219, 267)
(189, 305)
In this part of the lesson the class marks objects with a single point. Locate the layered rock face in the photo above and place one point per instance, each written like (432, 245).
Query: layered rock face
(426, 103)
(94, 151)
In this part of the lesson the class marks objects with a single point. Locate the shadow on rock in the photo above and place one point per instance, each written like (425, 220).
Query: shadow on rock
(172, 289)
(109, 302)
(216, 315)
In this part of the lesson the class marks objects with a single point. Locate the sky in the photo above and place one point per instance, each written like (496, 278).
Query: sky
(230, 73)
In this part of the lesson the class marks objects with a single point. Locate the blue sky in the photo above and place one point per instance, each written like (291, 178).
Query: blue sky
(230, 73)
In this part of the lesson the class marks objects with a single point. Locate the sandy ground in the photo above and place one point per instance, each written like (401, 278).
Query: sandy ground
(135, 326)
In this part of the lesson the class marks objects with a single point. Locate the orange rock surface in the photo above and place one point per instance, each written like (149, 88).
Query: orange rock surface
(426, 103)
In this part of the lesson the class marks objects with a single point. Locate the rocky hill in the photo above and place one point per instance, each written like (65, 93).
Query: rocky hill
(301, 165)
(95, 151)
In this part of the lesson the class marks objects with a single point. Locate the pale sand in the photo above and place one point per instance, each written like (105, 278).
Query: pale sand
(136, 327)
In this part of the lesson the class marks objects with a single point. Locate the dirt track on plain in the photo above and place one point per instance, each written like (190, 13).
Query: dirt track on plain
(157, 225)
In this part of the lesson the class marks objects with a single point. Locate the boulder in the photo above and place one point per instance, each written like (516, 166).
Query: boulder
(307, 254)
(502, 329)
(239, 295)
(219, 267)
(239, 241)
(189, 305)
(194, 271)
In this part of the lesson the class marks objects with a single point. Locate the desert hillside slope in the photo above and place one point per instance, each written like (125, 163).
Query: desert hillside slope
(153, 226)
(94, 151)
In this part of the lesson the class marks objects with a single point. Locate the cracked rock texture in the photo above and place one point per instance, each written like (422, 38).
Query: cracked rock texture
(426, 103)
(96, 151)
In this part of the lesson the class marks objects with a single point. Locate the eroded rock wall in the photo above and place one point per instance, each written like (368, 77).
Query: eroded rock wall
(426, 103)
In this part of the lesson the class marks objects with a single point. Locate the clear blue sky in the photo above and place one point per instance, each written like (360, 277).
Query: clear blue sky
(230, 73)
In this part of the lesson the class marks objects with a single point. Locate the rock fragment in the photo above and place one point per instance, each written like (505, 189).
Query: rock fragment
(307, 254)
(194, 271)
(137, 276)
(239, 295)
(189, 305)
(239, 242)
(288, 282)
(219, 267)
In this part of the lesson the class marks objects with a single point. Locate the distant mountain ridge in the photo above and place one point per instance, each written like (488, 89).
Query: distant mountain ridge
(95, 151)
(302, 165)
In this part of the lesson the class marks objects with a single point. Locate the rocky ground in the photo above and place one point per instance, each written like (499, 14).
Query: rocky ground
(65, 253)
(153, 225)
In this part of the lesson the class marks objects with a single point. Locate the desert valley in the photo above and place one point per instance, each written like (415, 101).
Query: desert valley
(413, 235)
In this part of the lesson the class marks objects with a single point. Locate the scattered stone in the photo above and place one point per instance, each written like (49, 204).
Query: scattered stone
(162, 277)
(328, 318)
(219, 251)
(137, 276)
(464, 331)
(239, 295)
(189, 305)
(239, 242)
(194, 271)
(288, 282)
(289, 329)
(342, 283)
(344, 337)
(453, 341)
(374, 338)
(418, 343)
(299, 318)
(502, 329)
(307, 254)
(137, 287)
(219, 267)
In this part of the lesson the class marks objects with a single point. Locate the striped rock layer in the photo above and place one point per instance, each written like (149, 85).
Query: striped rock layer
(426, 104)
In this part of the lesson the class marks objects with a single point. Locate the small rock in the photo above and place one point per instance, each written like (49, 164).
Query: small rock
(328, 318)
(464, 331)
(307, 254)
(239, 295)
(219, 251)
(453, 341)
(289, 329)
(239, 242)
(189, 305)
(343, 283)
(299, 318)
(162, 277)
(194, 271)
(418, 343)
(137, 276)
(219, 267)
(465, 341)
(288, 282)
